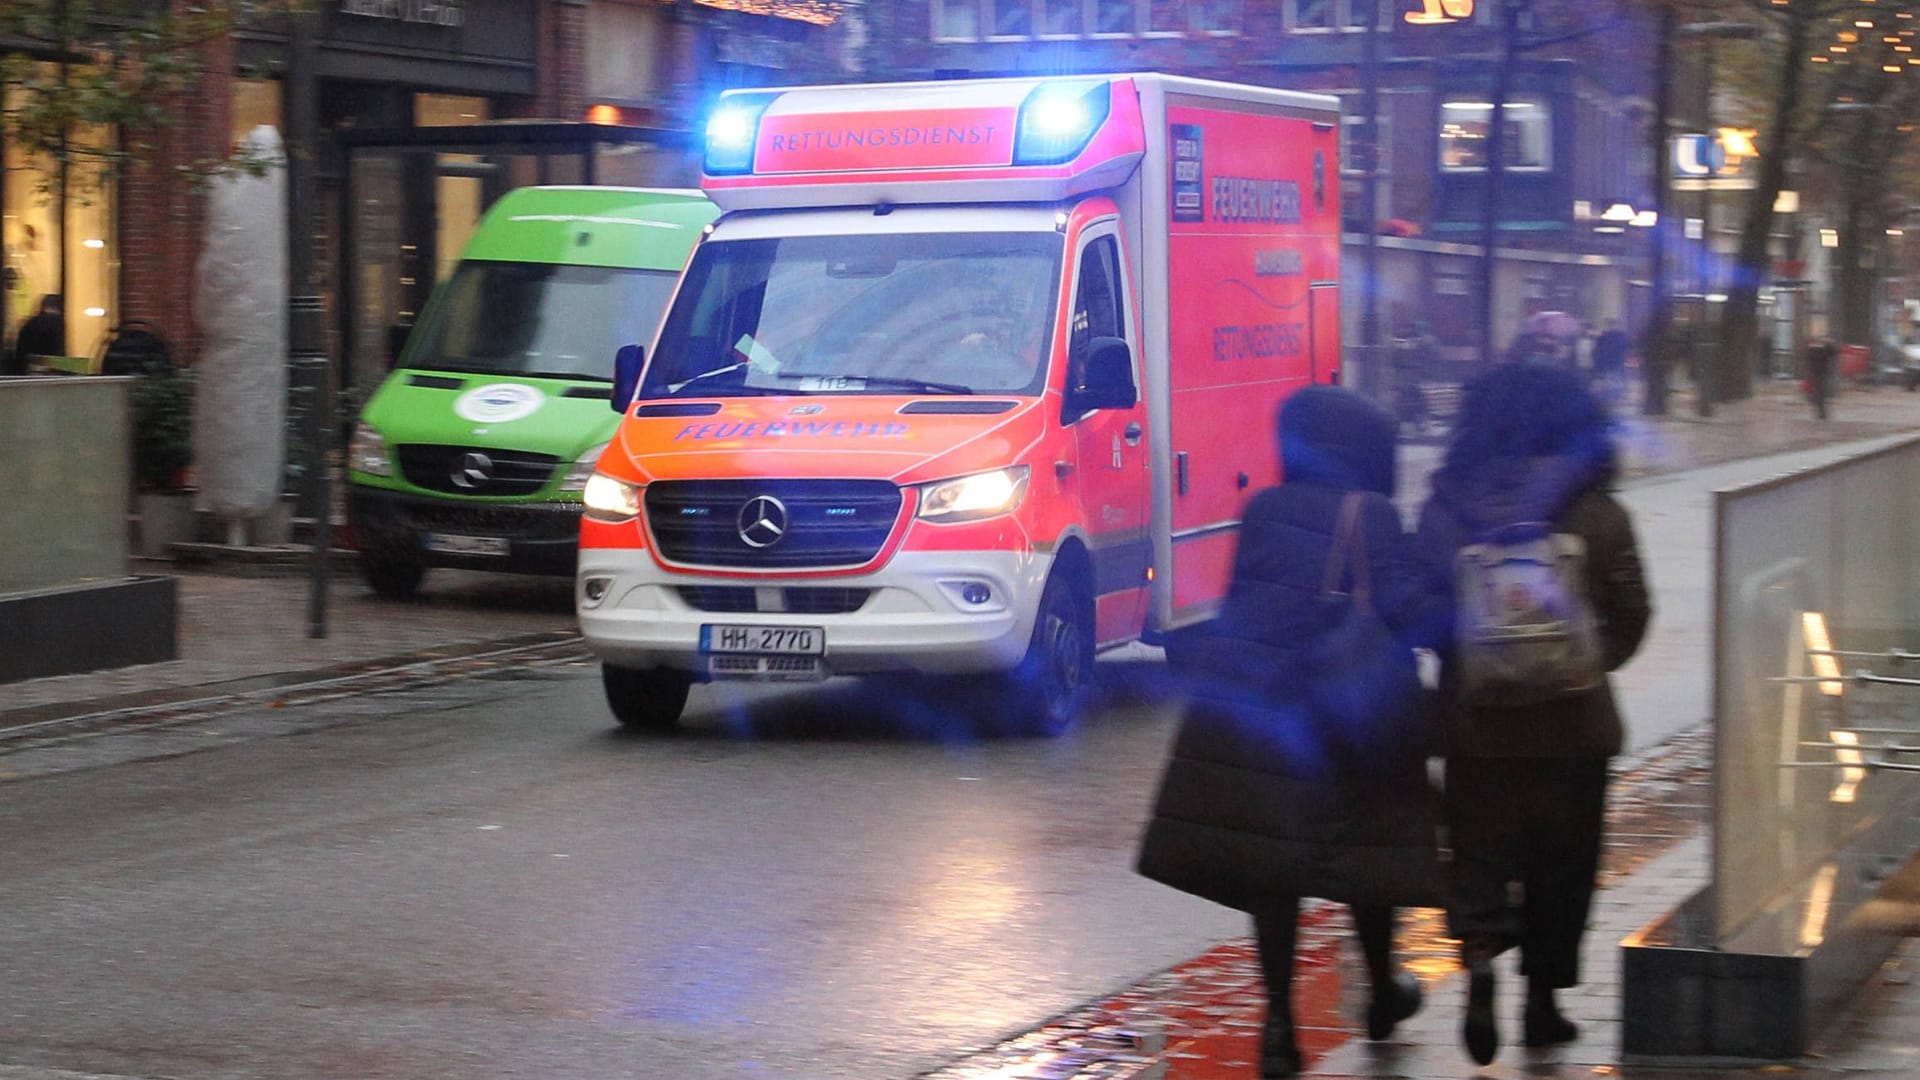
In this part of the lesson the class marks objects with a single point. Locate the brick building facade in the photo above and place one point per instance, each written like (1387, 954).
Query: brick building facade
(394, 71)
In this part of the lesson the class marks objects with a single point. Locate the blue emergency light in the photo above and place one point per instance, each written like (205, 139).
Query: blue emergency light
(1058, 120)
(732, 131)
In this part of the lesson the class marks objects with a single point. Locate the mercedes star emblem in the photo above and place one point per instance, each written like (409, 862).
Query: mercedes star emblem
(763, 521)
(474, 470)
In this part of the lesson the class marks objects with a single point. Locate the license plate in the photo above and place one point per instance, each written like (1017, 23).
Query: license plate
(453, 544)
(763, 640)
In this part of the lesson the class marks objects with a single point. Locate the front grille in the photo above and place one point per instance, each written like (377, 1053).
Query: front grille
(804, 600)
(824, 601)
(796, 523)
(723, 598)
(474, 470)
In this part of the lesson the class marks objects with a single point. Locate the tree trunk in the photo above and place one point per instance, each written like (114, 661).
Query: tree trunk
(1855, 302)
(1739, 319)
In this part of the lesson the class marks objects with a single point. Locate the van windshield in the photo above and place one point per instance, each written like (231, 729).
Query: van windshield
(939, 313)
(538, 319)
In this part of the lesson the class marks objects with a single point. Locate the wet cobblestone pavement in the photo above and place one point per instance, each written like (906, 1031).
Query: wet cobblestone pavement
(1201, 1020)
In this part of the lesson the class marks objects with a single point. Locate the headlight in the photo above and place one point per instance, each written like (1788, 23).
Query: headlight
(970, 498)
(367, 451)
(577, 476)
(612, 501)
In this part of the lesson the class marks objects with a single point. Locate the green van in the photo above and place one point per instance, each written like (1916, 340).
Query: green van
(473, 451)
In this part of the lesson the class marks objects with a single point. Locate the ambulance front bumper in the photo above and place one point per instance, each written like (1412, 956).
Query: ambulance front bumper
(935, 613)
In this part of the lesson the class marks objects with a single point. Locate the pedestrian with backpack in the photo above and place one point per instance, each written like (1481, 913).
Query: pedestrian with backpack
(1300, 768)
(1549, 597)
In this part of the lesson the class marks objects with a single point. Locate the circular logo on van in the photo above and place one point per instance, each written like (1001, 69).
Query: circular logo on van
(497, 403)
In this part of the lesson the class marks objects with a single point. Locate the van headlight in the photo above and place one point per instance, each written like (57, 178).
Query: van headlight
(970, 498)
(610, 500)
(367, 451)
(577, 477)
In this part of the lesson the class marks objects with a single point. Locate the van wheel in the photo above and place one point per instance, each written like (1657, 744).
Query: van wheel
(1046, 692)
(395, 579)
(645, 699)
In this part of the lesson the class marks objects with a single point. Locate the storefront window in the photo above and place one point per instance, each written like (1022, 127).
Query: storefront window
(459, 196)
(47, 235)
(1464, 128)
(255, 102)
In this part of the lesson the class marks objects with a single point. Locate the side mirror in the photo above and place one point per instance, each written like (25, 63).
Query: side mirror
(1108, 378)
(626, 376)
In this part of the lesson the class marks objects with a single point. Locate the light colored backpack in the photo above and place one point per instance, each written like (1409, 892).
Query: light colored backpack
(1526, 627)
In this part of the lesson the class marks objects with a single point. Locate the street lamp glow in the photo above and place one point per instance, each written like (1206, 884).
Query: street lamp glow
(1829, 238)
(1645, 219)
(1618, 212)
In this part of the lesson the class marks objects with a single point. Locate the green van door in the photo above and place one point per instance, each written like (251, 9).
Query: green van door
(473, 451)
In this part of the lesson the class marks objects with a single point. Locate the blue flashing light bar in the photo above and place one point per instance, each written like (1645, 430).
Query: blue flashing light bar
(1058, 120)
(732, 131)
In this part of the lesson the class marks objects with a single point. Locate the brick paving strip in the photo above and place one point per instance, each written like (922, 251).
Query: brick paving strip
(1200, 1020)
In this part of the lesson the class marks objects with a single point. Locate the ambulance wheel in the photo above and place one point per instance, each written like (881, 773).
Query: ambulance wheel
(1047, 691)
(645, 699)
(395, 579)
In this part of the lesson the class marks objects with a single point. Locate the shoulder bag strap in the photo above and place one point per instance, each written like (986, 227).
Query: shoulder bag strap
(1347, 537)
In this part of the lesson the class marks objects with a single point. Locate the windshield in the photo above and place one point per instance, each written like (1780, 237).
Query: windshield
(928, 313)
(531, 319)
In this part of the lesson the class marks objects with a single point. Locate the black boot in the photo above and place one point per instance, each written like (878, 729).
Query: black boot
(1542, 1023)
(1279, 1056)
(1392, 1003)
(1479, 1030)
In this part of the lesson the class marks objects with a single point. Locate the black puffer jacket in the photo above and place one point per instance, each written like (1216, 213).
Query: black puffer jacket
(1573, 496)
(1256, 802)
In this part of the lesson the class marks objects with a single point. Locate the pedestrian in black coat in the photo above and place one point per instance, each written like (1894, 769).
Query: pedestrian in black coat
(1526, 785)
(45, 334)
(1259, 806)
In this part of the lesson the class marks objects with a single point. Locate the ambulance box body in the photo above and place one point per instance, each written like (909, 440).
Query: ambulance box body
(473, 451)
(970, 379)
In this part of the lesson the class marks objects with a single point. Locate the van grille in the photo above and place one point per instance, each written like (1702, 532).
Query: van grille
(474, 470)
(790, 523)
(808, 600)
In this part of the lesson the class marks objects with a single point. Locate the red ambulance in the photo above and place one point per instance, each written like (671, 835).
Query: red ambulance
(971, 380)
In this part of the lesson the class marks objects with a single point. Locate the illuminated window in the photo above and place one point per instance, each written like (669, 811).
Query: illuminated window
(1011, 18)
(1060, 18)
(1464, 126)
(1216, 16)
(1115, 17)
(1342, 15)
(955, 20)
(1353, 126)
(43, 236)
(1310, 14)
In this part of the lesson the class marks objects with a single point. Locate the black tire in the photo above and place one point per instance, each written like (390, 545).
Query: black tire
(395, 579)
(645, 699)
(1912, 380)
(1045, 693)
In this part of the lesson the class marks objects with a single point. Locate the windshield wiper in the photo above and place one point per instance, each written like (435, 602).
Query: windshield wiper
(675, 388)
(917, 385)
